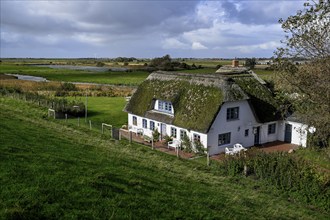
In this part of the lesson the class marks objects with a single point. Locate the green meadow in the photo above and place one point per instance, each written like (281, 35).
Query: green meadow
(51, 170)
(105, 109)
(107, 77)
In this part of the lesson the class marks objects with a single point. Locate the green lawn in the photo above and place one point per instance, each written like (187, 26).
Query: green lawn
(105, 109)
(52, 171)
(108, 77)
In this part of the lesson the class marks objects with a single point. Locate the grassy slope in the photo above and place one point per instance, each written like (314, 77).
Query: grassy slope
(48, 170)
(130, 78)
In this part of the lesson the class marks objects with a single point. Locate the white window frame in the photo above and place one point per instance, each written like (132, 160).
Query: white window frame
(232, 114)
(224, 138)
(196, 137)
(272, 128)
(152, 125)
(134, 120)
(144, 123)
(174, 132)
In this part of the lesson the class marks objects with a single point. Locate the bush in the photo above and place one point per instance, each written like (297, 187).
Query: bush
(155, 135)
(292, 175)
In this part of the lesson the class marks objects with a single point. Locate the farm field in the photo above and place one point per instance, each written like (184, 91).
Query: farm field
(108, 77)
(49, 170)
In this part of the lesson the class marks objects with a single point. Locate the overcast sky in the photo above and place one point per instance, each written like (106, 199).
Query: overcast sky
(143, 29)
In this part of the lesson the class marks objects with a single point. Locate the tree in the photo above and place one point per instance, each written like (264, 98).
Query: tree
(305, 88)
(250, 62)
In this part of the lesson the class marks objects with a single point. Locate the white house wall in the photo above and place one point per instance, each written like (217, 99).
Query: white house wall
(148, 132)
(265, 137)
(298, 135)
(235, 127)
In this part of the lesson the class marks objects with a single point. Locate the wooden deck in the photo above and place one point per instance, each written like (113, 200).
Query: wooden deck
(271, 147)
(159, 145)
(276, 146)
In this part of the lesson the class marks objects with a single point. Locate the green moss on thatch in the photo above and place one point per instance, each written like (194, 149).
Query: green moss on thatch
(195, 105)
(261, 98)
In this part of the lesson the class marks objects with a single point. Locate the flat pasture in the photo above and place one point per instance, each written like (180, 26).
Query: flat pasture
(105, 109)
(107, 77)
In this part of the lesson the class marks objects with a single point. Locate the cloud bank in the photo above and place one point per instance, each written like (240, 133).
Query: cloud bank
(142, 28)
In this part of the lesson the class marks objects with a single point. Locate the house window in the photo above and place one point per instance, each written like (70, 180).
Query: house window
(232, 113)
(182, 134)
(164, 106)
(246, 132)
(144, 123)
(173, 132)
(197, 137)
(134, 120)
(224, 139)
(160, 105)
(152, 125)
(272, 128)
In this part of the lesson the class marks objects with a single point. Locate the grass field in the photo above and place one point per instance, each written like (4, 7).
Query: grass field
(108, 77)
(52, 171)
(105, 109)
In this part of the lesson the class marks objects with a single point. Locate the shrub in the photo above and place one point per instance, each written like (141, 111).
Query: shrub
(287, 173)
(155, 135)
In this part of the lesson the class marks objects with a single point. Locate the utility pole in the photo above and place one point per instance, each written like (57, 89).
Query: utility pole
(86, 106)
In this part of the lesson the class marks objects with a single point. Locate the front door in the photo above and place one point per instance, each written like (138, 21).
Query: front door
(256, 132)
(162, 130)
(288, 133)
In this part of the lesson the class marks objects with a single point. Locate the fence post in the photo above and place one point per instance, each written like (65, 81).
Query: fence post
(111, 132)
(119, 135)
(66, 117)
(208, 159)
(90, 125)
(130, 136)
(152, 142)
(177, 152)
(78, 121)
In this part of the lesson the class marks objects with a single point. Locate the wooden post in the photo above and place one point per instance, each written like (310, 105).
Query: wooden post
(111, 132)
(245, 171)
(86, 108)
(208, 159)
(78, 121)
(152, 142)
(90, 125)
(66, 117)
(177, 152)
(130, 136)
(119, 135)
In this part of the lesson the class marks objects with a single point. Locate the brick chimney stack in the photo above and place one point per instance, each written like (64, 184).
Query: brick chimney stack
(235, 63)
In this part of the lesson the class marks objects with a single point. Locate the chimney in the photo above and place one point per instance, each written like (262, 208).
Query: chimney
(235, 63)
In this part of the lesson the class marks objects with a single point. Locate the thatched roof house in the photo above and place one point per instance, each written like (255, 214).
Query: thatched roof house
(216, 110)
(197, 98)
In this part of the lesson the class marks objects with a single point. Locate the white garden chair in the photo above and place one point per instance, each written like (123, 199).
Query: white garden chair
(238, 148)
(229, 151)
(175, 144)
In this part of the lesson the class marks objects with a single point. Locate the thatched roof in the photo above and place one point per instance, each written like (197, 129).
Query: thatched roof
(197, 98)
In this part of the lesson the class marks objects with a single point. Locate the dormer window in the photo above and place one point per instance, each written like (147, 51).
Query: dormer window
(165, 106)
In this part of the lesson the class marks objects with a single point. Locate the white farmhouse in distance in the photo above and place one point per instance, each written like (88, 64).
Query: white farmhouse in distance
(221, 109)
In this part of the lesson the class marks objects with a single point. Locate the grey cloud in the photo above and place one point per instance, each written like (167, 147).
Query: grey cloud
(259, 12)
